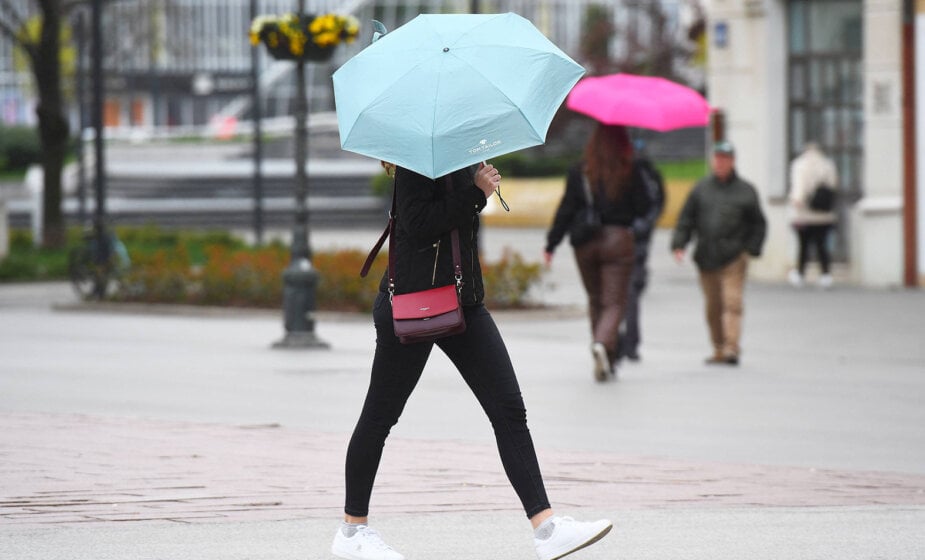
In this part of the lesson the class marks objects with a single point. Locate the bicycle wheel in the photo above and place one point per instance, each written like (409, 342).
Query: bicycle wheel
(81, 270)
(89, 278)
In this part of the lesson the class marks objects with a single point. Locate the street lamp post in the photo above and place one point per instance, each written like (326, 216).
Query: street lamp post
(99, 217)
(81, 84)
(258, 137)
(300, 278)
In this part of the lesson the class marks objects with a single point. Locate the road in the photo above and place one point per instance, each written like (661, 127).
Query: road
(813, 448)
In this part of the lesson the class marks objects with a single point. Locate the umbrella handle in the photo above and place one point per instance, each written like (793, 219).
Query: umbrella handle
(503, 203)
(498, 192)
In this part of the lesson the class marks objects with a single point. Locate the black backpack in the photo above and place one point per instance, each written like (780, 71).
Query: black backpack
(822, 199)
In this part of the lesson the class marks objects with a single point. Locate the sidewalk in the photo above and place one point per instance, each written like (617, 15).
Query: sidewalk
(175, 436)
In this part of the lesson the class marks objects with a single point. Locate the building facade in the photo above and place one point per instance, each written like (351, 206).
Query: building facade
(786, 72)
(177, 64)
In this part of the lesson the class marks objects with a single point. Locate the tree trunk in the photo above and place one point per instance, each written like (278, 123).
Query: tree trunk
(53, 126)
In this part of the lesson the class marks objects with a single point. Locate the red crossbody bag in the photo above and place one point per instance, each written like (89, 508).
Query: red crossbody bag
(430, 314)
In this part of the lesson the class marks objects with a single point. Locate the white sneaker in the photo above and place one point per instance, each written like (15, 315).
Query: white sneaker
(365, 544)
(569, 535)
(825, 281)
(795, 278)
(602, 367)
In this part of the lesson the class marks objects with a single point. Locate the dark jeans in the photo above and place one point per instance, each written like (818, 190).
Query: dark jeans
(816, 236)
(630, 335)
(482, 358)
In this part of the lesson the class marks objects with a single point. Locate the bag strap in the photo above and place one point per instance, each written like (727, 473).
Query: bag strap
(389, 229)
(389, 233)
(589, 195)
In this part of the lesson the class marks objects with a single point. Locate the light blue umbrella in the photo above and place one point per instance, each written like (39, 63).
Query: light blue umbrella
(446, 91)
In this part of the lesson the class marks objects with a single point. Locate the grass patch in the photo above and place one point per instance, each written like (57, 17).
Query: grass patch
(684, 170)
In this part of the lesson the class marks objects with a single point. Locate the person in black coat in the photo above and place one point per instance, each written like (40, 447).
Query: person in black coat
(607, 188)
(427, 211)
(643, 226)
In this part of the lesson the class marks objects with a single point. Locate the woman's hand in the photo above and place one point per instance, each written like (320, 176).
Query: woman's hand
(487, 178)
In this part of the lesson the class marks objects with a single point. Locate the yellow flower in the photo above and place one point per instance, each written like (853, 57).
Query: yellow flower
(326, 39)
(326, 30)
(351, 28)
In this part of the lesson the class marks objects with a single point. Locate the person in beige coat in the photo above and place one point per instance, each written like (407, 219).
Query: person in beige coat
(808, 171)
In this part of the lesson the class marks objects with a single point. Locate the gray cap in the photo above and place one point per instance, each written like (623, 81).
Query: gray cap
(724, 147)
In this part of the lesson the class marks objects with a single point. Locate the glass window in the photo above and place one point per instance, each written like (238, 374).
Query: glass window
(826, 89)
(798, 27)
(815, 80)
(835, 26)
(797, 81)
(797, 128)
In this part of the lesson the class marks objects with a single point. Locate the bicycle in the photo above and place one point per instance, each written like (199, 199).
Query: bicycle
(96, 269)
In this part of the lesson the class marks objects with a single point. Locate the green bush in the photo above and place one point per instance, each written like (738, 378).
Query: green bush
(28, 263)
(19, 147)
(243, 277)
(509, 280)
(527, 164)
(381, 184)
(218, 269)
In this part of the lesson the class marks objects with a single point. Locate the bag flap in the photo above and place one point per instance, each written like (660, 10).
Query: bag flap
(418, 305)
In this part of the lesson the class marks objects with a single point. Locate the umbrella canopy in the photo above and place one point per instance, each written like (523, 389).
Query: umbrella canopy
(641, 101)
(445, 91)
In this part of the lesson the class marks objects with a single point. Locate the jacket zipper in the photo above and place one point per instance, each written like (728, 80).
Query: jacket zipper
(433, 278)
(472, 253)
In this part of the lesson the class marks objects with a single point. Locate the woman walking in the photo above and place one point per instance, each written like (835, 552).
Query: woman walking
(810, 171)
(427, 211)
(608, 184)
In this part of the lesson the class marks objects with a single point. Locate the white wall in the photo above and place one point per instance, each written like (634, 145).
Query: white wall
(876, 221)
(747, 80)
(920, 134)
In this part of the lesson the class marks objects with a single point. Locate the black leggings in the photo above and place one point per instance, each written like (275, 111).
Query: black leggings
(816, 236)
(481, 357)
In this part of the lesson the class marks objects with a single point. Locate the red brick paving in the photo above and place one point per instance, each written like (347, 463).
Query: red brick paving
(74, 469)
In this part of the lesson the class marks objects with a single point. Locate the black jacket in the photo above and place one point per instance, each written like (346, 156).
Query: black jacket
(425, 215)
(725, 218)
(630, 211)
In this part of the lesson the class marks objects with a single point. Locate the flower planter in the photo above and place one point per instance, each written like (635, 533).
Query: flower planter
(304, 37)
(311, 53)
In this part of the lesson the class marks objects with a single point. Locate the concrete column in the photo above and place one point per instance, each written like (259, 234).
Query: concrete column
(919, 24)
(747, 79)
(876, 223)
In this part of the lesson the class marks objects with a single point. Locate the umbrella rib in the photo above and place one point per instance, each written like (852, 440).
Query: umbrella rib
(506, 96)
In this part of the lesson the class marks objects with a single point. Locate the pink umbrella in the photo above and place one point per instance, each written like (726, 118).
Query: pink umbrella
(641, 101)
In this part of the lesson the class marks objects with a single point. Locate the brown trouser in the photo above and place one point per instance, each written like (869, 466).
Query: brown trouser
(605, 264)
(723, 290)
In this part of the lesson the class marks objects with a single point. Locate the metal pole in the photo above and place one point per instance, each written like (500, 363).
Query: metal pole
(910, 169)
(474, 7)
(81, 118)
(258, 137)
(300, 277)
(99, 216)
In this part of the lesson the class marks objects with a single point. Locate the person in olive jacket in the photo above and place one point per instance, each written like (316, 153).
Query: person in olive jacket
(724, 214)
(427, 211)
